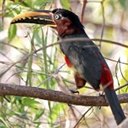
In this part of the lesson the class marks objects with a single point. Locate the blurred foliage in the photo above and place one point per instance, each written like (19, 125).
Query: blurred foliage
(124, 3)
(25, 48)
(12, 32)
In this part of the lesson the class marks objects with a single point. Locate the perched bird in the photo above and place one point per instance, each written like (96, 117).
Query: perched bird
(80, 52)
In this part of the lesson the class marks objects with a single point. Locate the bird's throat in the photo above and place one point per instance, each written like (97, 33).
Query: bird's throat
(65, 30)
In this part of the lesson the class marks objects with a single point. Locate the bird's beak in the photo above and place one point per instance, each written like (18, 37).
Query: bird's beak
(43, 17)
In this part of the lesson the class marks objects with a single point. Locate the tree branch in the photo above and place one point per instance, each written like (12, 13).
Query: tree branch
(57, 96)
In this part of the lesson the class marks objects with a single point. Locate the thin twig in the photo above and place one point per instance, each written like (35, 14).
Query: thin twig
(83, 9)
(121, 87)
(122, 72)
(82, 116)
(103, 22)
(116, 70)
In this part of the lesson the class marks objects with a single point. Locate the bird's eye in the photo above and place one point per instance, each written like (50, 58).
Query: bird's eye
(58, 16)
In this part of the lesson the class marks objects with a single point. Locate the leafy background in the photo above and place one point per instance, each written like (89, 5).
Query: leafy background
(29, 57)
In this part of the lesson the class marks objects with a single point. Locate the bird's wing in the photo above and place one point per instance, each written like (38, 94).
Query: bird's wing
(86, 60)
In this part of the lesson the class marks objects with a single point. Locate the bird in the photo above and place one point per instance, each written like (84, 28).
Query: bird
(80, 52)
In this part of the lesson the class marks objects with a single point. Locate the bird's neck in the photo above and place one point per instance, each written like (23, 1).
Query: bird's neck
(69, 31)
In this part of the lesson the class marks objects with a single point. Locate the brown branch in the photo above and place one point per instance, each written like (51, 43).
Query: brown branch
(57, 96)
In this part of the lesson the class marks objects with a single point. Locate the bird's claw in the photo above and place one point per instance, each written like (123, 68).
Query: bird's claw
(74, 91)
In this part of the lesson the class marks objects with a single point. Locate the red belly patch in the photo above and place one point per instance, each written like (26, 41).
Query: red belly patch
(69, 64)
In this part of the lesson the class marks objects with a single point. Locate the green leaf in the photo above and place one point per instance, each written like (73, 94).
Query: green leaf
(41, 3)
(27, 3)
(12, 32)
(30, 102)
(39, 113)
(37, 33)
(3, 122)
(65, 4)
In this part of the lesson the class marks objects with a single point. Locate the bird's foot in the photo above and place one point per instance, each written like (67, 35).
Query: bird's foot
(101, 94)
(74, 91)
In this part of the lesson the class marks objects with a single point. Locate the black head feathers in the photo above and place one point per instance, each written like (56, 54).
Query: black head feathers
(70, 15)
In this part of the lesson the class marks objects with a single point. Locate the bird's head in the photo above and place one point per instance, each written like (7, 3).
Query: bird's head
(64, 21)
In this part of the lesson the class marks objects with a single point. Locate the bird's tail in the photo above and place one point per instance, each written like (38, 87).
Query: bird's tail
(114, 105)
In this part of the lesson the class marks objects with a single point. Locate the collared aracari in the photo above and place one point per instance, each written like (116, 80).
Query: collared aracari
(83, 55)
